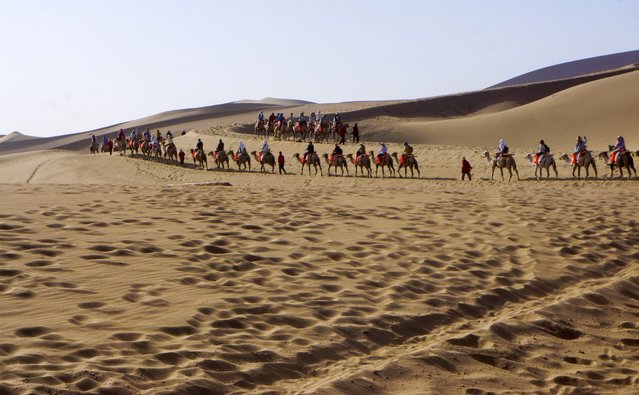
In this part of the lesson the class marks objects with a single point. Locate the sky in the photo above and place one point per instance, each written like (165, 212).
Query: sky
(76, 65)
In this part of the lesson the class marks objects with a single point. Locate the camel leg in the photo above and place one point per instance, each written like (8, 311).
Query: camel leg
(501, 169)
(555, 169)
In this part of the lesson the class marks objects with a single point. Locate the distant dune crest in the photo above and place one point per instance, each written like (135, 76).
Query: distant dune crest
(16, 136)
(575, 68)
(274, 101)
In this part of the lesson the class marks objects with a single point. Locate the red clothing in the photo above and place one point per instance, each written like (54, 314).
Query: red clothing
(466, 167)
(280, 160)
(181, 155)
(342, 131)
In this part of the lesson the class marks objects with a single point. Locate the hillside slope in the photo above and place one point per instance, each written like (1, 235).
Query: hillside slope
(575, 68)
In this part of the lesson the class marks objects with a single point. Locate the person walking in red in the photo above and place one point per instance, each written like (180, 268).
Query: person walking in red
(355, 134)
(342, 134)
(280, 162)
(466, 168)
(181, 155)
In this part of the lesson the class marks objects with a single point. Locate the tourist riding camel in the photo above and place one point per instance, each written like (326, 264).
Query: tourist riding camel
(541, 152)
(310, 159)
(336, 160)
(618, 148)
(580, 149)
(219, 148)
(310, 149)
(502, 149)
(383, 160)
(362, 161)
(503, 161)
(409, 163)
(267, 158)
(544, 162)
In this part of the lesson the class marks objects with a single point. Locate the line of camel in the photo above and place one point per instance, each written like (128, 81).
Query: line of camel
(364, 163)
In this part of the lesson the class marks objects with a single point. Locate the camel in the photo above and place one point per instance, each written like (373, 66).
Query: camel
(311, 159)
(220, 159)
(94, 148)
(363, 161)
(302, 130)
(505, 161)
(171, 151)
(121, 146)
(199, 157)
(270, 129)
(260, 130)
(281, 131)
(145, 147)
(133, 145)
(585, 160)
(242, 159)
(338, 161)
(546, 162)
(622, 161)
(321, 132)
(156, 151)
(268, 159)
(409, 163)
(385, 161)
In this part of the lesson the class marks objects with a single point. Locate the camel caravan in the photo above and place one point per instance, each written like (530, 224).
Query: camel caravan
(162, 149)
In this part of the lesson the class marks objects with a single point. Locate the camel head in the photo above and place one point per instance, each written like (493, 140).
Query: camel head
(394, 155)
(296, 155)
(211, 153)
(603, 155)
(529, 156)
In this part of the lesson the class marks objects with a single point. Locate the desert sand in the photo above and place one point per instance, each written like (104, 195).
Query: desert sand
(121, 275)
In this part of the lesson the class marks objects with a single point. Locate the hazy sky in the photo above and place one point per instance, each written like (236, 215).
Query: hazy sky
(74, 65)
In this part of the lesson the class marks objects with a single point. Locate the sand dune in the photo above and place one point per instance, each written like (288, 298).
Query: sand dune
(575, 68)
(600, 109)
(15, 137)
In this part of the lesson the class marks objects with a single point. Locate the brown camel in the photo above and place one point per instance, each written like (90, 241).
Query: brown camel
(546, 162)
(242, 160)
(385, 161)
(338, 161)
(121, 146)
(134, 145)
(220, 159)
(156, 151)
(363, 162)
(267, 159)
(311, 159)
(260, 129)
(409, 163)
(585, 160)
(145, 147)
(94, 148)
(199, 157)
(505, 161)
(170, 151)
(622, 161)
